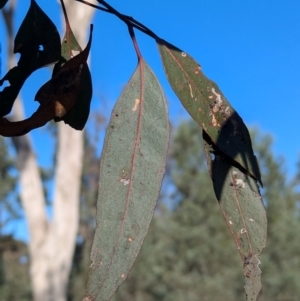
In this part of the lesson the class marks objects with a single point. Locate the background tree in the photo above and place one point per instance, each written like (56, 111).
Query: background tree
(281, 261)
(52, 242)
(14, 268)
(9, 202)
(86, 230)
(13, 253)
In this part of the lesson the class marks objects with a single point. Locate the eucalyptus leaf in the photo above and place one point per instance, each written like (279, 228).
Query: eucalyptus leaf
(231, 162)
(242, 207)
(131, 170)
(205, 102)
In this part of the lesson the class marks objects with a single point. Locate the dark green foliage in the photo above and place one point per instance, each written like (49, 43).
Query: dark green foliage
(8, 199)
(6, 166)
(14, 278)
(14, 270)
(281, 260)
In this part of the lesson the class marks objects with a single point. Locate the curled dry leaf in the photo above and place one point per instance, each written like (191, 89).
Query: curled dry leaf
(56, 97)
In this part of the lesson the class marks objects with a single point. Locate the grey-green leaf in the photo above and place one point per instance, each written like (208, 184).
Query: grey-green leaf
(131, 171)
(207, 105)
(242, 207)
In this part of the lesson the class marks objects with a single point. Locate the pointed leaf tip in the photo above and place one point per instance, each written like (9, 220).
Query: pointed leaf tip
(2, 3)
(37, 40)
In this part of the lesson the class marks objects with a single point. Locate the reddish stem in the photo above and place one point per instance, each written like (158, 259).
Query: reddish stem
(135, 44)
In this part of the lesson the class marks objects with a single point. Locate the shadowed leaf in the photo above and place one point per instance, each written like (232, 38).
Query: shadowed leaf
(207, 105)
(131, 170)
(62, 90)
(242, 207)
(2, 3)
(38, 43)
(56, 97)
(79, 113)
(37, 40)
(233, 168)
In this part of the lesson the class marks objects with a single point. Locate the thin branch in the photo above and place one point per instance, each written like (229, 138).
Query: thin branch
(65, 15)
(93, 5)
(129, 21)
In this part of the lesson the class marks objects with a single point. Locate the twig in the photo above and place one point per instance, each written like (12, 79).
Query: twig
(68, 27)
(129, 21)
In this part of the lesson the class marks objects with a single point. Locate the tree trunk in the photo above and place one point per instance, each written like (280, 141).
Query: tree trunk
(52, 243)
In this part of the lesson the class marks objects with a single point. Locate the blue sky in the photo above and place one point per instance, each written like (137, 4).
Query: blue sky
(249, 48)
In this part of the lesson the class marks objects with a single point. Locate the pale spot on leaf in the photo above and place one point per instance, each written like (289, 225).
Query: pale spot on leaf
(125, 181)
(214, 120)
(136, 104)
(191, 91)
(75, 52)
